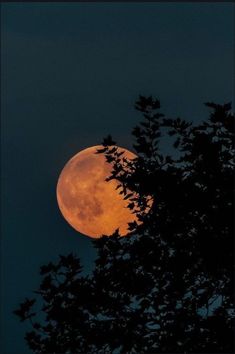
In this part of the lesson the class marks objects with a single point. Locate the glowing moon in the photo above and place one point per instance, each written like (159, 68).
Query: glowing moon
(91, 205)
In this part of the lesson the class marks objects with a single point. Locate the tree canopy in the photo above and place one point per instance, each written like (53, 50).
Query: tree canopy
(167, 287)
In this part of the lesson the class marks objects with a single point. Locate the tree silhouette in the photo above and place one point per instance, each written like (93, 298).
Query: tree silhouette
(168, 286)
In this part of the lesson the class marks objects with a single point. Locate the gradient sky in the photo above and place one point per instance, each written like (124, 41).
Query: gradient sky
(70, 75)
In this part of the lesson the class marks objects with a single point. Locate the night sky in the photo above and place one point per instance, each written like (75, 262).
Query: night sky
(70, 76)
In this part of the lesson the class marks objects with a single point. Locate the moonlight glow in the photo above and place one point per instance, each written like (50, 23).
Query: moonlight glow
(91, 205)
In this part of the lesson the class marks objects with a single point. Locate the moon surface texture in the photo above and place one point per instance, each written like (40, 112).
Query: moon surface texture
(90, 204)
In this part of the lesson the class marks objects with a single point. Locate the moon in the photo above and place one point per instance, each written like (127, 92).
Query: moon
(91, 205)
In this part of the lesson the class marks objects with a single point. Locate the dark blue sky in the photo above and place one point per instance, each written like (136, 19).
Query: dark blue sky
(70, 75)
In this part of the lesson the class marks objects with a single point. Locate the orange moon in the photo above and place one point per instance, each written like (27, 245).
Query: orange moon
(88, 203)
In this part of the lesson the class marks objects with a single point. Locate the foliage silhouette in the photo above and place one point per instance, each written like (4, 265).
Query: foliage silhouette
(168, 286)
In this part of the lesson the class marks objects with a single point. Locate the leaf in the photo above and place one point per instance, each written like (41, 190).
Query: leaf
(128, 196)
(108, 141)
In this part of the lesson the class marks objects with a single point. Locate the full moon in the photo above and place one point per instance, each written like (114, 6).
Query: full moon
(88, 203)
